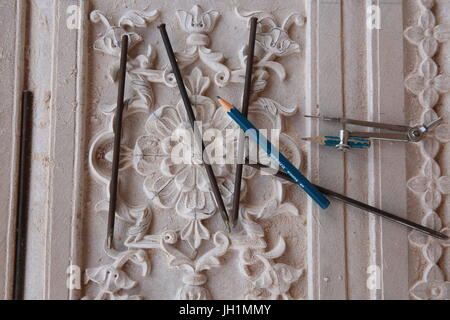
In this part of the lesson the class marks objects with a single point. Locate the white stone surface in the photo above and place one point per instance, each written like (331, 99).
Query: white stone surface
(330, 64)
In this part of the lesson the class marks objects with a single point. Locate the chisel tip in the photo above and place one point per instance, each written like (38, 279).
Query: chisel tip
(228, 225)
(109, 241)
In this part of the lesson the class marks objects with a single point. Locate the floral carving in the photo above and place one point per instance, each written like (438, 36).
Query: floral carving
(198, 24)
(276, 42)
(111, 279)
(109, 41)
(274, 279)
(427, 34)
(197, 21)
(428, 84)
(171, 187)
(433, 286)
(431, 185)
(193, 267)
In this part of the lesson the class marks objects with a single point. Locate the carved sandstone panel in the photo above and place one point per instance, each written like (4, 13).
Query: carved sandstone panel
(169, 243)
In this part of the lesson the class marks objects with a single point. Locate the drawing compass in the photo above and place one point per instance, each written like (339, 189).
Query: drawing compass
(348, 140)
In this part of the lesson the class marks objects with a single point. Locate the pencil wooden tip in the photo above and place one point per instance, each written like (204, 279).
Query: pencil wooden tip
(225, 104)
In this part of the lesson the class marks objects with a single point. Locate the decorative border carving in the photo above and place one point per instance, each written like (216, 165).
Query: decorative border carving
(428, 84)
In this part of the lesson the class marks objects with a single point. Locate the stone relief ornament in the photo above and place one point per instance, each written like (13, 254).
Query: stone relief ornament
(198, 24)
(428, 84)
(111, 278)
(182, 188)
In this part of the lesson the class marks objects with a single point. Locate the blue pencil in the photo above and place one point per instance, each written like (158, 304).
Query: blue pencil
(279, 158)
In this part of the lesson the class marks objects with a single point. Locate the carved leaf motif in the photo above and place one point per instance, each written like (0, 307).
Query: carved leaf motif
(213, 61)
(143, 217)
(126, 157)
(251, 227)
(193, 293)
(432, 169)
(194, 232)
(144, 92)
(138, 19)
(197, 21)
(418, 184)
(210, 259)
(277, 251)
(278, 68)
(432, 199)
(272, 209)
(97, 16)
(271, 106)
(433, 251)
(198, 84)
(444, 185)
(442, 33)
(110, 278)
(296, 18)
(263, 17)
(432, 221)
(430, 147)
(177, 259)
(140, 258)
(278, 279)
(418, 238)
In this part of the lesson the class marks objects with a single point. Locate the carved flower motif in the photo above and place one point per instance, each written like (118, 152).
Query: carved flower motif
(427, 84)
(110, 278)
(432, 144)
(278, 279)
(432, 221)
(197, 21)
(432, 250)
(193, 293)
(171, 184)
(278, 43)
(109, 41)
(433, 287)
(427, 35)
(431, 185)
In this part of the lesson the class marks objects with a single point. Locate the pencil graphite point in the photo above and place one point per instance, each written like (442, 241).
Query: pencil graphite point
(227, 106)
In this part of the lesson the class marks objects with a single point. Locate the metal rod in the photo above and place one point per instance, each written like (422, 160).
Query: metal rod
(380, 136)
(245, 107)
(191, 116)
(371, 124)
(117, 142)
(362, 206)
(22, 197)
